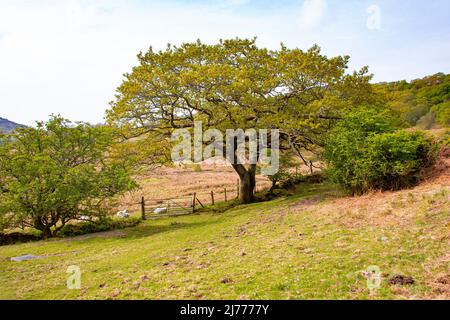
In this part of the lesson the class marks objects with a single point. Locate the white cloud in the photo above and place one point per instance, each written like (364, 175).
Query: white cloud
(312, 13)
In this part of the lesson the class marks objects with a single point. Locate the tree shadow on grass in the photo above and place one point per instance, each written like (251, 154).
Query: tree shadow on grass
(148, 229)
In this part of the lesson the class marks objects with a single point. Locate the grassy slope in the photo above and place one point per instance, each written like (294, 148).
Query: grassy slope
(312, 245)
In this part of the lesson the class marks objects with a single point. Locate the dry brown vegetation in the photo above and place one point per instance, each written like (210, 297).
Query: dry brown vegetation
(168, 183)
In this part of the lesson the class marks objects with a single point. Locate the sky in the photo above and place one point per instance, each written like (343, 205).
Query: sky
(68, 56)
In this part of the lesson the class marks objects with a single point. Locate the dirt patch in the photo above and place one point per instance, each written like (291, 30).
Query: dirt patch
(401, 280)
(444, 280)
(306, 202)
(226, 281)
(441, 286)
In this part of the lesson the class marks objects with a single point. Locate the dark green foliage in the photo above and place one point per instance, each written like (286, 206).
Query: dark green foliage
(291, 180)
(396, 159)
(16, 237)
(364, 152)
(281, 176)
(101, 225)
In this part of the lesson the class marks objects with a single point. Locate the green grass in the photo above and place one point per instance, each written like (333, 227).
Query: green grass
(272, 250)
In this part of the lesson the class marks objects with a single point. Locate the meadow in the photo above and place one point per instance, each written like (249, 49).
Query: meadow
(317, 243)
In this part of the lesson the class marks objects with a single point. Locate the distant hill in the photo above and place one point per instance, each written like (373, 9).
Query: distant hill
(422, 102)
(7, 126)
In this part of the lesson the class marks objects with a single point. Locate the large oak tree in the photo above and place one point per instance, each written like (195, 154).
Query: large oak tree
(237, 85)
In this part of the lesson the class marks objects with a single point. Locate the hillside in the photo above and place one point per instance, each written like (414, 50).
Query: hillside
(7, 126)
(423, 102)
(315, 244)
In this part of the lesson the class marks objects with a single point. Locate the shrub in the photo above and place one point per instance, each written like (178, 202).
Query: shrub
(370, 155)
(101, 225)
(397, 159)
(278, 177)
(291, 180)
(16, 237)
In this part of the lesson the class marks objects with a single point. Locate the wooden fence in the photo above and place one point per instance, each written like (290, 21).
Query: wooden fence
(155, 208)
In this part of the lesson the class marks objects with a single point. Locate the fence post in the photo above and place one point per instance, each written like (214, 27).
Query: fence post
(193, 201)
(225, 194)
(212, 197)
(237, 189)
(143, 209)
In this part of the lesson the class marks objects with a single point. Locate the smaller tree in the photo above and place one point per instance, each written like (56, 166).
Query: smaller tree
(58, 172)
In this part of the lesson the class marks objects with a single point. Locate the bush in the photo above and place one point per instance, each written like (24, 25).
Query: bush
(397, 159)
(108, 224)
(379, 158)
(16, 237)
(291, 180)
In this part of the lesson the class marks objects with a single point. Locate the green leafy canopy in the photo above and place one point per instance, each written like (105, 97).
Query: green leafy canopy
(57, 172)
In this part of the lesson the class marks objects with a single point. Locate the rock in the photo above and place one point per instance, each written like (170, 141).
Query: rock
(25, 257)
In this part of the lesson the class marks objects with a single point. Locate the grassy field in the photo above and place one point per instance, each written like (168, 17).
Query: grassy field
(313, 245)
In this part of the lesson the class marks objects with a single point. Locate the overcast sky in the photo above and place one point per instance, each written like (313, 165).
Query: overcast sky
(68, 56)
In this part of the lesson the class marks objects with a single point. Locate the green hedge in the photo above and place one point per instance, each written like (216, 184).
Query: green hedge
(108, 224)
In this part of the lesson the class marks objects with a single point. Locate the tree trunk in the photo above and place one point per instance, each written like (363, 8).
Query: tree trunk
(47, 233)
(248, 182)
(46, 230)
